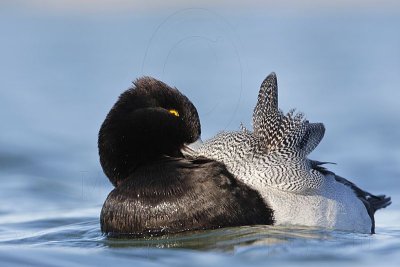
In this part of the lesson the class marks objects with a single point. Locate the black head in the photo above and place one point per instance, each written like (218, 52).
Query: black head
(148, 121)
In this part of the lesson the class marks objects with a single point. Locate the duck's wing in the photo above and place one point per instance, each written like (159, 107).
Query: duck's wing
(174, 195)
(289, 134)
(371, 202)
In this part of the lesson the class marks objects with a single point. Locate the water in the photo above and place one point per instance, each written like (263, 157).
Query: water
(60, 72)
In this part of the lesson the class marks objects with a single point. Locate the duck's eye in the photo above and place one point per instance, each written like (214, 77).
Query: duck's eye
(174, 112)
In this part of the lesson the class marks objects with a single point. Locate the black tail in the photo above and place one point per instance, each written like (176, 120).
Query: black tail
(371, 202)
(378, 202)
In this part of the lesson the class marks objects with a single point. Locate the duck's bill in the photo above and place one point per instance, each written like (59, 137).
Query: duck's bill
(192, 148)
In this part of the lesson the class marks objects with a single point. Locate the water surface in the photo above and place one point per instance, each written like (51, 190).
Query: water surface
(61, 73)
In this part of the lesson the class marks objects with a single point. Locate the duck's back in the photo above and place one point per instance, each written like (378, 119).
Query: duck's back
(174, 194)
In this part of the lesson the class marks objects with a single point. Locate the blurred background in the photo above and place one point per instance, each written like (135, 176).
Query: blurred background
(64, 63)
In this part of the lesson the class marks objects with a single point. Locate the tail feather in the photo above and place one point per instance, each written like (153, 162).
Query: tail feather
(379, 202)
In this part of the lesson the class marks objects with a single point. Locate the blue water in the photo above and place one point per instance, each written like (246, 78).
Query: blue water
(60, 72)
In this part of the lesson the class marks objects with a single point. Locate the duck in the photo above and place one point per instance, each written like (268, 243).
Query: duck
(157, 190)
(273, 159)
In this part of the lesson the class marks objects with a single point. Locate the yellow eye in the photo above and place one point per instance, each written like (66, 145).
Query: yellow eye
(174, 112)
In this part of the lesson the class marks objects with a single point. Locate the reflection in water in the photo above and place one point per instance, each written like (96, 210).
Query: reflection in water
(60, 74)
(256, 243)
(85, 231)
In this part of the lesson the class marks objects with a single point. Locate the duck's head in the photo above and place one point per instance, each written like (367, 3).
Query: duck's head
(149, 120)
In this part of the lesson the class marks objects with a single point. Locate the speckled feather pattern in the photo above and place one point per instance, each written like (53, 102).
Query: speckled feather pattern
(275, 153)
(273, 160)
